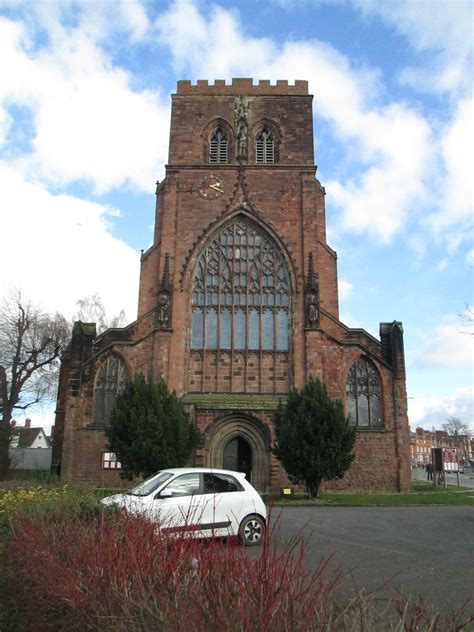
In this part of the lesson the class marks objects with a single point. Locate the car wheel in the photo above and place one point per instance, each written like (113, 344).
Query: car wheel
(252, 530)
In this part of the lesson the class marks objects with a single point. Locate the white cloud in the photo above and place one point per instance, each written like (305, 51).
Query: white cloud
(132, 15)
(345, 289)
(63, 250)
(448, 347)
(427, 411)
(391, 143)
(88, 123)
(405, 162)
(458, 155)
(210, 46)
(444, 29)
(98, 20)
(381, 198)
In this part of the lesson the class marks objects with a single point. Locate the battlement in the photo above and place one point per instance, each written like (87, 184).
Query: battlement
(242, 87)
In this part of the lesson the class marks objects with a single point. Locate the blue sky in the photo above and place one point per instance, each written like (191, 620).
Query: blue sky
(84, 123)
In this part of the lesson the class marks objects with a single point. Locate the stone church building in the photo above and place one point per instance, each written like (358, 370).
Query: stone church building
(238, 302)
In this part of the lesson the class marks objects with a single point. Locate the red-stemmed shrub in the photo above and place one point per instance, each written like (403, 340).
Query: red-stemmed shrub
(119, 572)
(98, 569)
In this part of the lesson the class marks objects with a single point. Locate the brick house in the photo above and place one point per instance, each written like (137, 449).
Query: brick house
(422, 442)
(238, 301)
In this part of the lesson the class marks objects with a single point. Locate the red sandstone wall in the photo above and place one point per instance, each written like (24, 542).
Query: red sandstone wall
(286, 200)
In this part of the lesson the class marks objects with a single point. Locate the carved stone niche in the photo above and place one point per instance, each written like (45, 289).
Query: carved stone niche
(311, 308)
(242, 141)
(241, 125)
(163, 309)
(311, 297)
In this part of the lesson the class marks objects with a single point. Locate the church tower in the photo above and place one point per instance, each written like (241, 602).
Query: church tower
(238, 300)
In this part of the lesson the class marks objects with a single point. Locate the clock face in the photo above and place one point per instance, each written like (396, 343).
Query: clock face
(210, 187)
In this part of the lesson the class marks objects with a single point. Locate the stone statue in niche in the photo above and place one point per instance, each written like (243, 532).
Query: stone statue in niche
(241, 109)
(312, 310)
(164, 310)
(242, 140)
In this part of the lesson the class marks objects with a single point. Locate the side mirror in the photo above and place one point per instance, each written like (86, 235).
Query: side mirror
(165, 493)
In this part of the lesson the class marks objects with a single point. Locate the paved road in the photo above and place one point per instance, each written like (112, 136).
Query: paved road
(426, 551)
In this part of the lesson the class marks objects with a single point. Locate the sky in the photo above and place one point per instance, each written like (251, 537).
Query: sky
(84, 126)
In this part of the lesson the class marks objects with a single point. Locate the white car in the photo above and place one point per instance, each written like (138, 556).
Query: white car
(202, 502)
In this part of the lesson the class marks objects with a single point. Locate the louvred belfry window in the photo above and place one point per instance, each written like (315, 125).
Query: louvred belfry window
(109, 382)
(240, 292)
(265, 147)
(218, 147)
(363, 395)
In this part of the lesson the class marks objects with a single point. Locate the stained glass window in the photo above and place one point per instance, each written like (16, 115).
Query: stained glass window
(110, 380)
(241, 292)
(363, 395)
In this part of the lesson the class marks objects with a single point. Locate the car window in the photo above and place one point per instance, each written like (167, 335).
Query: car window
(148, 486)
(184, 485)
(220, 483)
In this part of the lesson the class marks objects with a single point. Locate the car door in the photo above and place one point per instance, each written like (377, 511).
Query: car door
(177, 506)
(222, 505)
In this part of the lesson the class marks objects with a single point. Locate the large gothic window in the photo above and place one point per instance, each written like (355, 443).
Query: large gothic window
(218, 147)
(265, 147)
(110, 380)
(240, 292)
(363, 395)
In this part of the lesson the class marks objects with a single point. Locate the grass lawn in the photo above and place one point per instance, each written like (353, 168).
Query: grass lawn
(422, 494)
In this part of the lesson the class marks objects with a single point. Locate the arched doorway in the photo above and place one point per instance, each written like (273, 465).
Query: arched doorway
(238, 457)
(240, 443)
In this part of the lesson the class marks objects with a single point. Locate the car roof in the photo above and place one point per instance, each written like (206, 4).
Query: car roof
(213, 470)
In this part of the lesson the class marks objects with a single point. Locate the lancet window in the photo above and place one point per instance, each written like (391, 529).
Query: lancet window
(219, 147)
(241, 292)
(109, 382)
(363, 395)
(265, 147)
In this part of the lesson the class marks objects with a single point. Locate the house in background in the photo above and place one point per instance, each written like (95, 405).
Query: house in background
(422, 441)
(30, 448)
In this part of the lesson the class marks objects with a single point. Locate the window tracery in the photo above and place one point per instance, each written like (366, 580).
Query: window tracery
(240, 292)
(265, 147)
(219, 146)
(110, 381)
(363, 395)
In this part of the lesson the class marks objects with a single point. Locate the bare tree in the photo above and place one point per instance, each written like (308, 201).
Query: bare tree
(31, 342)
(467, 320)
(90, 309)
(455, 427)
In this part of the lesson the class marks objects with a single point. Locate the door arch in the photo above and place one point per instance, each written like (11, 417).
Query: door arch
(223, 440)
(238, 457)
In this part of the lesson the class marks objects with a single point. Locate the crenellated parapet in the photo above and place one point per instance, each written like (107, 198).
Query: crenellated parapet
(242, 86)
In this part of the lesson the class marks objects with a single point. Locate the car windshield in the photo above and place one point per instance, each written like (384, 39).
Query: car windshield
(149, 486)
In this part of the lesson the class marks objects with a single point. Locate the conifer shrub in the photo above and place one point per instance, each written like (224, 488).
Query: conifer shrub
(314, 441)
(149, 429)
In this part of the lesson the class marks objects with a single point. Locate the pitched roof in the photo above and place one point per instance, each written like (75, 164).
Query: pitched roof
(27, 436)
